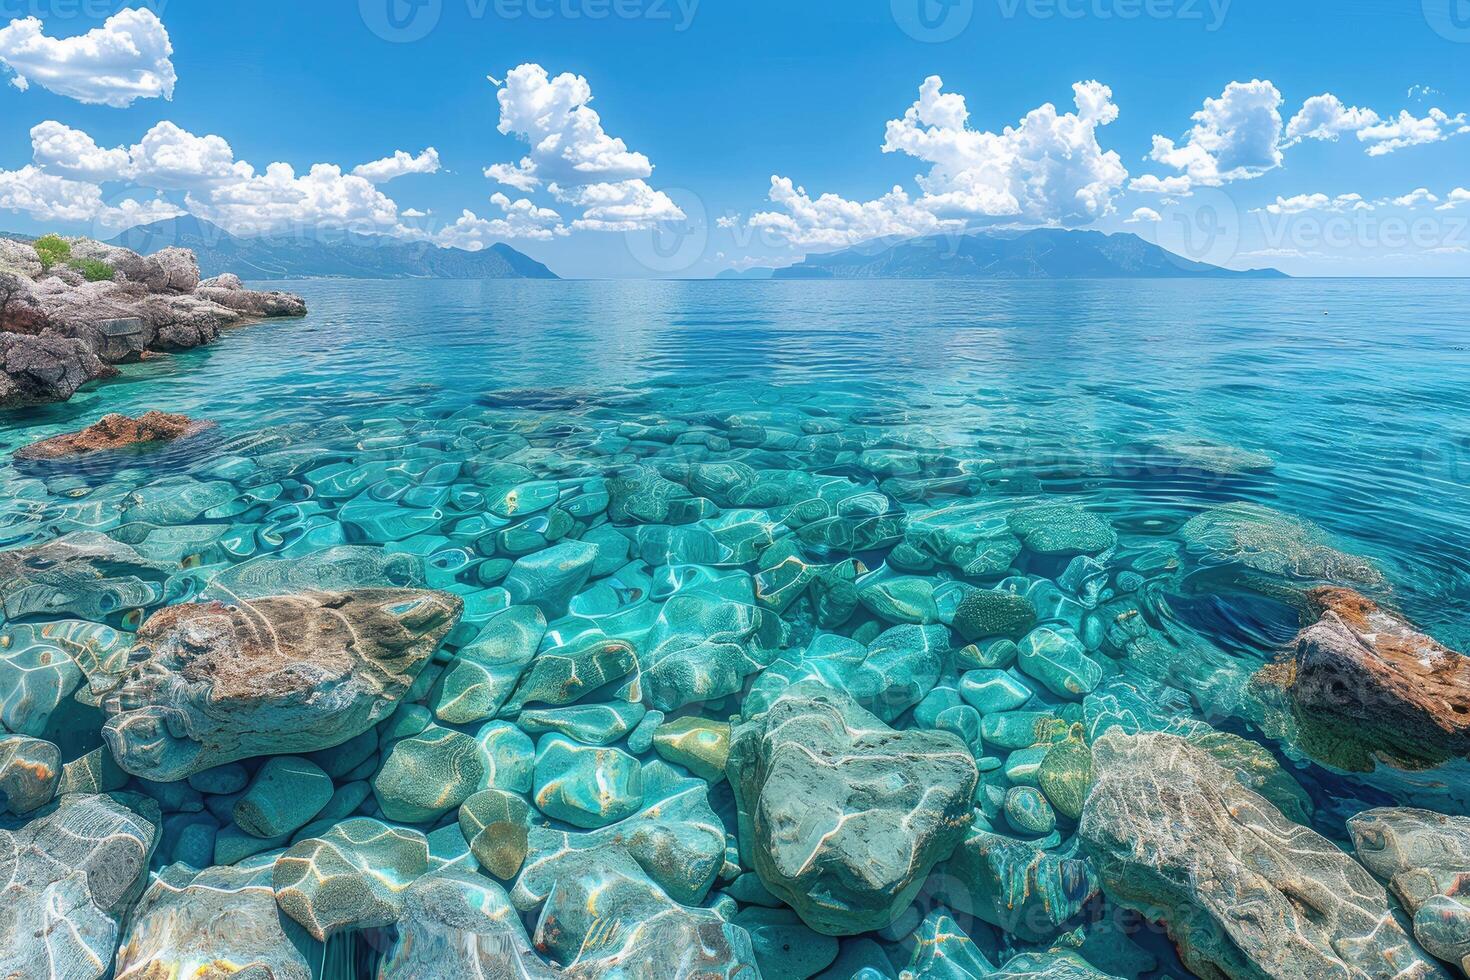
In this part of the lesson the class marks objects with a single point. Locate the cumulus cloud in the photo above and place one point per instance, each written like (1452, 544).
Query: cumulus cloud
(47, 197)
(1144, 216)
(1235, 137)
(1406, 130)
(572, 156)
(1416, 197)
(1047, 170)
(1454, 199)
(400, 164)
(1178, 186)
(166, 158)
(280, 199)
(126, 59)
(1325, 117)
(520, 219)
(1301, 203)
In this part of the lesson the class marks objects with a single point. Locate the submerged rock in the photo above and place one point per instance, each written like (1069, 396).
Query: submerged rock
(841, 816)
(85, 573)
(1017, 886)
(215, 922)
(1425, 858)
(1364, 686)
(1269, 541)
(456, 925)
(115, 432)
(70, 876)
(30, 769)
(1242, 890)
(354, 876)
(213, 683)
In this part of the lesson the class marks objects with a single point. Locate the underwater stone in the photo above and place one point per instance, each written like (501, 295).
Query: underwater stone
(1057, 658)
(1018, 887)
(508, 755)
(586, 786)
(991, 691)
(216, 922)
(99, 652)
(1028, 812)
(1425, 859)
(1020, 729)
(676, 839)
(889, 676)
(337, 569)
(1175, 836)
(287, 793)
(640, 740)
(1364, 686)
(783, 945)
(95, 772)
(85, 574)
(351, 877)
(112, 432)
(698, 744)
(991, 655)
(484, 672)
(548, 579)
(1066, 775)
(429, 774)
(70, 874)
(456, 924)
(942, 951)
(704, 644)
(605, 918)
(267, 676)
(29, 771)
(901, 600)
(221, 780)
(566, 674)
(971, 537)
(593, 724)
(1269, 541)
(496, 825)
(1062, 530)
(841, 816)
(1256, 769)
(986, 613)
(36, 678)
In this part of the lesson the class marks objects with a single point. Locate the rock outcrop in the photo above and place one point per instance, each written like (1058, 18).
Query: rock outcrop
(60, 329)
(213, 683)
(1243, 891)
(841, 816)
(1364, 686)
(115, 432)
(1425, 858)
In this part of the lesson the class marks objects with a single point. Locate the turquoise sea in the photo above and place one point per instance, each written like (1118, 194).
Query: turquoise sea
(881, 433)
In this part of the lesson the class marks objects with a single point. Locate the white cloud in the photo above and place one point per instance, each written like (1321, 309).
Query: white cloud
(413, 213)
(1325, 117)
(1301, 203)
(167, 158)
(1422, 92)
(126, 59)
(1152, 184)
(1047, 170)
(568, 143)
(47, 197)
(400, 164)
(1406, 130)
(1234, 137)
(1144, 216)
(522, 219)
(1416, 197)
(830, 221)
(66, 152)
(625, 205)
(572, 156)
(1454, 199)
(279, 199)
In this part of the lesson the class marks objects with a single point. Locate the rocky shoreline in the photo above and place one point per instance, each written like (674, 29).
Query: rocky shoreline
(63, 325)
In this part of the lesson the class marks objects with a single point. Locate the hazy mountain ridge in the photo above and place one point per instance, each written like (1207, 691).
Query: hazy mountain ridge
(1044, 253)
(319, 256)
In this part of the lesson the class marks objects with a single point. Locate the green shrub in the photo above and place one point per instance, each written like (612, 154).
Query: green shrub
(93, 270)
(52, 249)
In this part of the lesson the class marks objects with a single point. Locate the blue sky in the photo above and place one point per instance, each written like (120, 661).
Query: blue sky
(641, 137)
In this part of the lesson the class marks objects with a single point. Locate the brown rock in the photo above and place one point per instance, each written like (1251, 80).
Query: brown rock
(1363, 686)
(115, 432)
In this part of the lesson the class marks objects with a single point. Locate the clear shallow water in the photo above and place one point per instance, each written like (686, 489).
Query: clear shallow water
(1144, 403)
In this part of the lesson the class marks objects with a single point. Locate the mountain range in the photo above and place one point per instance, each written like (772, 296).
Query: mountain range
(319, 255)
(1044, 253)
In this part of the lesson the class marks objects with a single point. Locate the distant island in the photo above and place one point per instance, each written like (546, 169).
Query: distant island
(319, 255)
(1045, 253)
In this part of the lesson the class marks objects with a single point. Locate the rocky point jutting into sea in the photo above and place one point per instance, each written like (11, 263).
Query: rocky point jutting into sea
(810, 652)
(63, 324)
